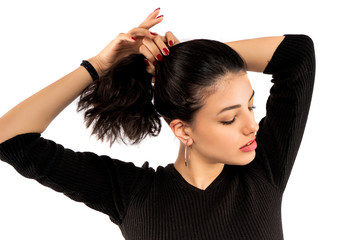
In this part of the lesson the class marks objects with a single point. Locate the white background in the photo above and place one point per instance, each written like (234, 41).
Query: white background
(42, 41)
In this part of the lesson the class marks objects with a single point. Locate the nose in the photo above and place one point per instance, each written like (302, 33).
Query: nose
(250, 126)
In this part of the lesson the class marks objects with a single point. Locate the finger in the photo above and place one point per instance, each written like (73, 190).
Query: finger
(119, 38)
(152, 19)
(161, 45)
(149, 58)
(142, 32)
(153, 48)
(150, 68)
(148, 55)
(171, 39)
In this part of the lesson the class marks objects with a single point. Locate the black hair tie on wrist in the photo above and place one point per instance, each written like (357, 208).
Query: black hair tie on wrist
(87, 65)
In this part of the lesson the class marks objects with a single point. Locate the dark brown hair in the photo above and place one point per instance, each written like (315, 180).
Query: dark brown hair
(119, 105)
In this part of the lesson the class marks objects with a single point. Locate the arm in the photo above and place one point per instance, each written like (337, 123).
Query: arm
(100, 182)
(291, 62)
(256, 52)
(36, 113)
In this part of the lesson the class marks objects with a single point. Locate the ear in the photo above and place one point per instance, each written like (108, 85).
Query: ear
(182, 131)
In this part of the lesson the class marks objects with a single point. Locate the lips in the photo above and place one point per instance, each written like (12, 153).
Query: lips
(248, 143)
(250, 146)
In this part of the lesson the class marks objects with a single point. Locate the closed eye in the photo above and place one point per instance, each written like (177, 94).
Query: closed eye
(233, 120)
(228, 122)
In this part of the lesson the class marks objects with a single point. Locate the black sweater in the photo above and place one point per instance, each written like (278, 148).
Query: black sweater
(243, 202)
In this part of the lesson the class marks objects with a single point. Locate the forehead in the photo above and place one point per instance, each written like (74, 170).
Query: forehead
(233, 88)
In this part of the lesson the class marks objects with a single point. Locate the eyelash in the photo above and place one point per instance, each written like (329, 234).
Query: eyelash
(230, 122)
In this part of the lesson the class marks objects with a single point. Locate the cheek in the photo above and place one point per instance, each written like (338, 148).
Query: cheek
(228, 139)
(217, 138)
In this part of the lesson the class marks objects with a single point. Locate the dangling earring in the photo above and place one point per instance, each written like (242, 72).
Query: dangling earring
(187, 154)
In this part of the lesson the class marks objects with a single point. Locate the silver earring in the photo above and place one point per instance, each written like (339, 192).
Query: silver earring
(187, 154)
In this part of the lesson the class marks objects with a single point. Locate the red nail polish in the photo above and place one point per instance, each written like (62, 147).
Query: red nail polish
(133, 38)
(147, 62)
(154, 62)
(159, 57)
(166, 52)
(152, 33)
(156, 9)
(171, 43)
(159, 16)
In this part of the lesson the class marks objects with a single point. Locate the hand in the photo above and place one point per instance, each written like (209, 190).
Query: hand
(154, 49)
(126, 43)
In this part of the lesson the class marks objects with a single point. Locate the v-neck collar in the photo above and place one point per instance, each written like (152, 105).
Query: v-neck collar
(181, 180)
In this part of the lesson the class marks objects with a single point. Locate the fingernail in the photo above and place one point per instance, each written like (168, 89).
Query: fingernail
(159, 57)
(147, 62)
(166, 52)
(171, 43)
(156, 9)
(159, 16)
(152, 33)
(133, 38)
(154, 62)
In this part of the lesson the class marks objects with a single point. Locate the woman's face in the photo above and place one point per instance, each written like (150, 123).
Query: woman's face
(226, 123)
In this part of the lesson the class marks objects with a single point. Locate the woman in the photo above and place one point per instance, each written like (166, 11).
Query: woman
(219, 187)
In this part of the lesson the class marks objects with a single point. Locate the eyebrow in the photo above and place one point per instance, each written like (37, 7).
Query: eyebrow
(236, 105)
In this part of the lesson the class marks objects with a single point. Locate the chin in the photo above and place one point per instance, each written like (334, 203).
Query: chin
(245, 159)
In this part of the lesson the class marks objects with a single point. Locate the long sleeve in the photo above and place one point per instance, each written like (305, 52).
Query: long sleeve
(281, 130)
(100, 182)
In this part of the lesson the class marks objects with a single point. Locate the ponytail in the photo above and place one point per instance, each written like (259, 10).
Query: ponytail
(119, 105)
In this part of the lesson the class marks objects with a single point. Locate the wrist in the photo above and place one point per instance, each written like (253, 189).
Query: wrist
(96, 64)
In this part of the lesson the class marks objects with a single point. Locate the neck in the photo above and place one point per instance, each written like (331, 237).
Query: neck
(198, 172)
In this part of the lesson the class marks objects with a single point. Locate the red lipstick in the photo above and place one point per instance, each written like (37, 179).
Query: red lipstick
(250, 146)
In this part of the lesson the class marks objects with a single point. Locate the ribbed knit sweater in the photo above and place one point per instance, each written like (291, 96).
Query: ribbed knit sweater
(243, 202)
